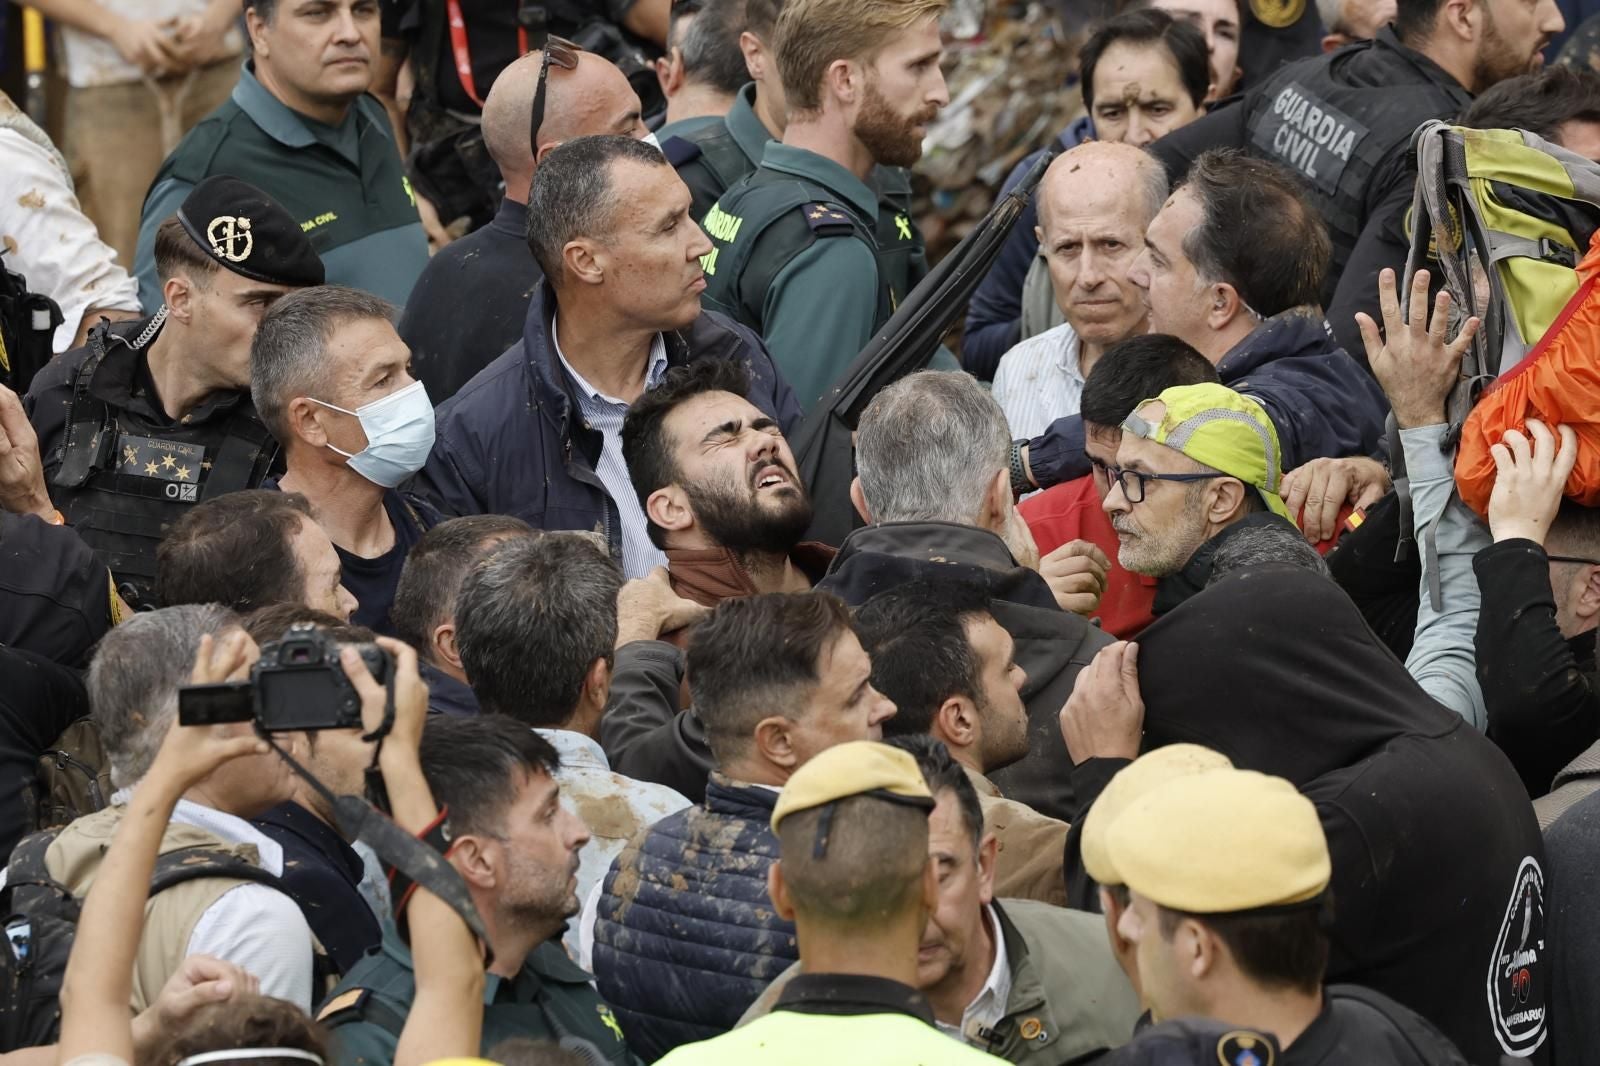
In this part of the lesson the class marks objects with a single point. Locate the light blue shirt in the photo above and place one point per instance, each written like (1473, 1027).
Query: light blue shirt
(605, 414)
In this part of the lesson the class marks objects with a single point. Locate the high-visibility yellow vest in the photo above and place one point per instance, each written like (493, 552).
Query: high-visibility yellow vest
(789, 1038)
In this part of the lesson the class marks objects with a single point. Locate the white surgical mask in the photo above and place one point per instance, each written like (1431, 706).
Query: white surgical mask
(399, 431)
(650, 139)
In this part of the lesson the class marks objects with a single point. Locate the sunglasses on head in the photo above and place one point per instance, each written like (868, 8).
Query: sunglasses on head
(564, 54)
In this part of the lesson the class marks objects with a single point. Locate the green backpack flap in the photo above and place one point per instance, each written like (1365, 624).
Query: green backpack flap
(1506, 215)
(74, 776)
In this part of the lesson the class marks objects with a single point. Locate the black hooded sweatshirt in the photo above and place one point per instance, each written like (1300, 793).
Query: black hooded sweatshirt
(1437, 857)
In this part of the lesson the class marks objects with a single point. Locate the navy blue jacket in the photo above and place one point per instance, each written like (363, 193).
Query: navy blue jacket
(994, 318)
(513, 441)
(1321, 401)
(685, 937)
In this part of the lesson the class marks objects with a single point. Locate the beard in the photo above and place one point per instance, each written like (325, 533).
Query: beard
(1497, 60)
(1159, 552)
(890, 136)
(738, 520)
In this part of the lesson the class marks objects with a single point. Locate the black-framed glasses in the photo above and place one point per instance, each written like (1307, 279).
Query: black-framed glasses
(564, 54)
(1573, 559)
(1133, 483)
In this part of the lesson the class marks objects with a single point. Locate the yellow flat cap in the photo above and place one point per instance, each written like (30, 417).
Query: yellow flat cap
(1145, 773)
(858, 768)
(1219, 842)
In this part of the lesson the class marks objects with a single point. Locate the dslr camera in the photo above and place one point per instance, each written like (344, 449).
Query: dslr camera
(297, 684)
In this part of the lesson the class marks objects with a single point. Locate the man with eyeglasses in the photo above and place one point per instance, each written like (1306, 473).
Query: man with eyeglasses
(566, 93)
(1195, 465)
(1233, 264)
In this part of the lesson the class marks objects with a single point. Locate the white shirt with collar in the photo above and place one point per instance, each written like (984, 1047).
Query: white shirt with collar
(255, 927)
(614, 808)
(989, 1005)
(605, 414)
(1039, 381)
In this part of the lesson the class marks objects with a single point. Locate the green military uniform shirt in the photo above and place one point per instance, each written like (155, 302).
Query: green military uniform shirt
(806, 276)
(344, 184)
(549, 999)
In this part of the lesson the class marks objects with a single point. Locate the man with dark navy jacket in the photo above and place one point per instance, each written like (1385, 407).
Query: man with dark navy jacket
(538, 433)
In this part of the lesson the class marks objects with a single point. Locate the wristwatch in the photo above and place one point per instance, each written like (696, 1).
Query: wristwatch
(1020, 485)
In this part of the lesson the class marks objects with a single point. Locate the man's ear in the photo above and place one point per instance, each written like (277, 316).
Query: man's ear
(858, 499)
(304, 420)
(1463, 18)
(844, 80)
(545, 149)
(596, 687)
(1202, 951)
(1226, 502)
(445, 648)
(995, 513)
(256, 27)
(1225, 306)
(177, 292)
(1588, 606)
(669, 508)
(582, 260)
(469, 854)
(782, 905)
(755, 55)
(774, 742)
(956, 723)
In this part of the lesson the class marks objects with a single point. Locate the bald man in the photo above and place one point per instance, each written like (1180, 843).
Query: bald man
(1095, 203)
(492, 270)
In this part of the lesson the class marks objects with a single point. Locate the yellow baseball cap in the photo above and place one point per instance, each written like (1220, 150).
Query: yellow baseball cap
(857, 768)
(1221, 842)
(1144, 774)
(1223, 429)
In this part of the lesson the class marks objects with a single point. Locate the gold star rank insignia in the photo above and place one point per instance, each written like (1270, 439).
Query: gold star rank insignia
(151, 469)
(168, 462)
(183, 473)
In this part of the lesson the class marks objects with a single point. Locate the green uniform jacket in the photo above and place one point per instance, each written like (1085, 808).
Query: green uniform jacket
(1069, 1001)
(551, 998)
(345, 185)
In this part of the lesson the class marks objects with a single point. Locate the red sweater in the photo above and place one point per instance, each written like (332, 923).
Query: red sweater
(1071, 511)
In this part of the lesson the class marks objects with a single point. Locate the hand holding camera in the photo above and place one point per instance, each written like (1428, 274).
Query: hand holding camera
(298, 683)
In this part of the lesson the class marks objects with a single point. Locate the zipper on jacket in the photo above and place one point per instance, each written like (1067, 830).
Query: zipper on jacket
(63, 760)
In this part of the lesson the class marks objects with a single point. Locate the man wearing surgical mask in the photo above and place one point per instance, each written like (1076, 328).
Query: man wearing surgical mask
(331, 379)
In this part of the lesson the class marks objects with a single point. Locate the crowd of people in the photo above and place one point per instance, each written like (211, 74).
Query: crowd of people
(415, 646)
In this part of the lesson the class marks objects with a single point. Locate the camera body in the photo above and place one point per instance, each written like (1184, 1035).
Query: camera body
(297, 684)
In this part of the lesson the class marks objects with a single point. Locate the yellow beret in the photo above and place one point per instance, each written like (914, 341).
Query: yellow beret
(1219, 842)
(860, 767)
(1145, 773)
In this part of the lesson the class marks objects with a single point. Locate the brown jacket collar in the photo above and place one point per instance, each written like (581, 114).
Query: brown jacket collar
(710, 575)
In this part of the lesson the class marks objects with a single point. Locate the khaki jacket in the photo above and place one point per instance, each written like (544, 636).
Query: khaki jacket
(1032, 846)
(74, 858)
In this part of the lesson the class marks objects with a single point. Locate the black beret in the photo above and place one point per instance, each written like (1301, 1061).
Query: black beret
(248, 232)
(1196, 1042)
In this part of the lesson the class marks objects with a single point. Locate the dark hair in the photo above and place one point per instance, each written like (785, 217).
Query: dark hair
(761, 19)
(425, 598)
(710, 46)
(288, 355)
(1137, 369)
(1150, 26)
(525, 1051)
(871, 870)
(265, 8)
(754, 655)
(1414, 19)
(175, 252)
(236, 549)
(269, 623)
(1538, 103)
(1575, 531)
(245, 1021)
(941, 771)
(1283, 950)
(532, 617)
(645, 448)
(473, 766)
(1258, 232)
(573, 194)
(917, 637)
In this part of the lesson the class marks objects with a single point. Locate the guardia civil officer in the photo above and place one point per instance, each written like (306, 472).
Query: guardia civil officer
(1343, 122)
(154, 415)
(714, 157)
(795, 254)
(1227, 873)
(855, 877)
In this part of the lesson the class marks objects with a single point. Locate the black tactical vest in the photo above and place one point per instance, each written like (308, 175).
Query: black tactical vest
(760, 226)
(709, 161)
(121, 488)
(902, 253)
(1333, 121)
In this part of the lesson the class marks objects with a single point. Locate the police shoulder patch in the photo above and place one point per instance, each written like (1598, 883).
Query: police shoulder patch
(680, 150)
(826, 220)
(1277, 14)
(1245, 1048)
(345, 1001)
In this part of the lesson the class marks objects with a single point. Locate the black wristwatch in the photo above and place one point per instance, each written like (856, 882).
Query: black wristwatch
(1020, 485)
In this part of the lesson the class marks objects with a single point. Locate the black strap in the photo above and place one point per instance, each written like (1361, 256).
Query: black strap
(239, 455)
(89, 422)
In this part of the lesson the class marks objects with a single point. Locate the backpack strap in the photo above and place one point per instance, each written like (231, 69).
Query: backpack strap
(26, 866)
(88, 421)
(193, 863)
(1425, 1040)
(679, 151)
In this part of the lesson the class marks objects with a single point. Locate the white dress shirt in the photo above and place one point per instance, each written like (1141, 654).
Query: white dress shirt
(989, 1005)
(1039, 381)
